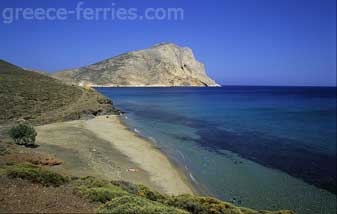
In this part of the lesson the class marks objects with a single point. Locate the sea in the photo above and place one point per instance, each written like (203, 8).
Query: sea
(266, 148)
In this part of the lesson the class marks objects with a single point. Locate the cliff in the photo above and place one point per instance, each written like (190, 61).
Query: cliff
(164, 65)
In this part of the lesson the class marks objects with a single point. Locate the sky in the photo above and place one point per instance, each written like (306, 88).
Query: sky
(241, 42)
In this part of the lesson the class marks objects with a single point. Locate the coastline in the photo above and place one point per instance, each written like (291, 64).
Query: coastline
(141, 151)
(105, 147)
(147, 86)
(196, 187)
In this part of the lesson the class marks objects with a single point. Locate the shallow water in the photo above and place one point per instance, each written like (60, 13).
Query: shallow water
(260, 147)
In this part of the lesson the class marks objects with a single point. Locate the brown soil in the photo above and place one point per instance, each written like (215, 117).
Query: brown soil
(19, 196)
(9, 152)
(33, 158)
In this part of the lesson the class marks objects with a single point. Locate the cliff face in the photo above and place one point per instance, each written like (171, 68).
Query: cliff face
(161, 65)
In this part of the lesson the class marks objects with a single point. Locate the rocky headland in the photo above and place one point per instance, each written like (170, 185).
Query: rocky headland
(162, 65)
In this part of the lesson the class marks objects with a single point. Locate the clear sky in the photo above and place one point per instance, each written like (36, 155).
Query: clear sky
(241, 42)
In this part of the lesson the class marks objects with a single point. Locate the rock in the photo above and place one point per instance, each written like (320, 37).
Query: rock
(163, 65)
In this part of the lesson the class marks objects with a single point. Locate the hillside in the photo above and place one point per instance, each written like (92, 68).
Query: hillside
(37, 98)
(62, 194)
(163, 65)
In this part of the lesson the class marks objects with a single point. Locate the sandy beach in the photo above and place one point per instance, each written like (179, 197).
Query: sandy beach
(104, 147)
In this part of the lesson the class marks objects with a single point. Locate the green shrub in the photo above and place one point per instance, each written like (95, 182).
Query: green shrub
(140, 190)
(102, 194)
(36, 175)
(91, 182)
(205, 205)
(125, 197)
(208, 205)
(127, 186)
(98, 190)
(23, 134)
(132, 204)
(3, 150)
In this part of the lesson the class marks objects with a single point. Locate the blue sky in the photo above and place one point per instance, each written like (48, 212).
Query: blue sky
(241, 42)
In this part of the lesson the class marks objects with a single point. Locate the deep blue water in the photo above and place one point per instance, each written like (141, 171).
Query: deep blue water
(256, 132)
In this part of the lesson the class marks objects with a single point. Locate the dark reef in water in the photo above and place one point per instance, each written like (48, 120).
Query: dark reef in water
(288, 155)
(279, 153)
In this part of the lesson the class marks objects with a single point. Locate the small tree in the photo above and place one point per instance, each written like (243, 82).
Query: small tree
(23, 134)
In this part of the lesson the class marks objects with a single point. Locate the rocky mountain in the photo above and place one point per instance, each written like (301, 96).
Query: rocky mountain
(164, 65)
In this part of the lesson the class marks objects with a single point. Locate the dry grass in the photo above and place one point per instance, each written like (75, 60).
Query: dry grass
(39, 99)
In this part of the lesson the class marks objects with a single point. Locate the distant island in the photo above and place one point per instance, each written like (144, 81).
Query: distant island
(163, 65)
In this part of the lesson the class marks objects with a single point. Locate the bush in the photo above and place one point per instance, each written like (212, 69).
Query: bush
(125, 197)
(131, 204)
(98, 190)
(103, 194)
(36, 175)
(23, 134)
(189, 203)
(203, 205)
(209, 205)
(140, 190)
(3, 150)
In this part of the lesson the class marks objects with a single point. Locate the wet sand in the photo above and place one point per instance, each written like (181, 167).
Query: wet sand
(104, 147)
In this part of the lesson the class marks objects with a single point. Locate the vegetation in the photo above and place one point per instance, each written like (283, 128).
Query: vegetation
(126, 198)
(38, 98)
(98, 190)
(23, 134)
(140, 190)
(189, 203)
(36, 175)
(205, 205)
(3, 149)
(131, 204)
(135, 198)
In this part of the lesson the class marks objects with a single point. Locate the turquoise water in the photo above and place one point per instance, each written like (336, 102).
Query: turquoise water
(260, 147)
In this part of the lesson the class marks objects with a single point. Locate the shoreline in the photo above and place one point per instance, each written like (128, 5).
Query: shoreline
(105, 147)
(150, 86)
(155, 162)
(185, 174)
